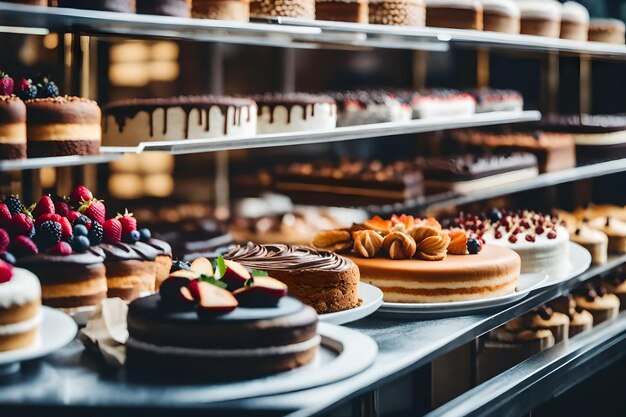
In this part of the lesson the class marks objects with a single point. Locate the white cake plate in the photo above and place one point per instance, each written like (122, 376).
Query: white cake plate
(579, 260)
(57, 330)
(372, 298)
(525, 284)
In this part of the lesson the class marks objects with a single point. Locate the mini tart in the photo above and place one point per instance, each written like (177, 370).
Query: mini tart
(615, 230)
(299, 9)
(12, 128)
(69, 282)
(356, 11)
(540, 17)
(602, 308)
(574, 21)
(180, 8)
(595, 241)
(63, 126)
(20, 316)
(501, 16)
(397, 12)
(456, 14)
(321, 279)
(124, 6)
(130, 269)
(235, 10)
(606, 30)
(490, 273)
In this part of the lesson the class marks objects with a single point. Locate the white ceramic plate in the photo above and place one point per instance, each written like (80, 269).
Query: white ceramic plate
(579, 262)
(372, 299)
(57, 330)
(525, 284)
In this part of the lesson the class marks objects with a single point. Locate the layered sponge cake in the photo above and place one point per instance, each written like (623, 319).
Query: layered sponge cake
(59, 126)
(20, 316)
(12, 128)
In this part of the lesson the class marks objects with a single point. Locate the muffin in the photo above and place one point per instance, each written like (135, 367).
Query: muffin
(601, 305)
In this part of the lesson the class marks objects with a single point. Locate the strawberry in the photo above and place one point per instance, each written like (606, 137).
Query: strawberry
(5, 215)
(6, 272)
(48, 217)
(45, 205)
(23, 246)
(61, 208)
(94, 209)
(129, 223)
(112, 231)
(72, 216)
(21, 224)
(66, 228)
(6, 84)
(61, 248)
(79, 195)
(4, 240)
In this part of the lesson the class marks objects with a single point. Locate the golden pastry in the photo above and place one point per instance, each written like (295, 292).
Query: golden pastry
(367, 243)
(399, 245)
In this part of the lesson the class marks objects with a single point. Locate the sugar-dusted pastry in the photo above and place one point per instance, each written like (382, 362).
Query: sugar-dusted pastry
(598, 302)
(607, 30)
(501, 16)
(456, 14)
(12, 128)
(574, 21)
(356, 11)
(397, 12)
(579, 320)
(540, 17)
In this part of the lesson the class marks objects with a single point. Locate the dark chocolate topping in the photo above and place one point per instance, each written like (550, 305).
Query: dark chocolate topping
(162, 247)
(94, 255)
(467, 167)
(287, 258)
(63, 109)
(124, 251)
(12, 110)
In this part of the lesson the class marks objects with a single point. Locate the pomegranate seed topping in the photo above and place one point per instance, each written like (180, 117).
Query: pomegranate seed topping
(530, 238)
(552, 235)
(512, 238)
(539, 230)
(498, 235)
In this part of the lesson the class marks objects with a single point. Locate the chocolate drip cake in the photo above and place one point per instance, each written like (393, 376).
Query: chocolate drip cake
(356, 11)
(124, 6)
(397, 12)
(63, 126)
(468, 173)
(295, 112)
(501, 16)
(185, 117)
(597, 137)
(456, 14)
(181, 8)
(236, 10)
(319, 278)
(349, 183)
(300, 9)
(12, 128)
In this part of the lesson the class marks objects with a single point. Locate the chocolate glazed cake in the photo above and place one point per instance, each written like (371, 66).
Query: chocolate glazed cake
(295, 112)
(245, 343)
(180, 8)
(69, 282)
(319, 278)
(12, 128)
(124, 6)
(130, 269)
(185, 117)
(63, 126)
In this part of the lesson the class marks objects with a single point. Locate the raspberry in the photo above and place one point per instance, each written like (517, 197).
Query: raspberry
(5, 215)
(61, 208)
(6, 84)
(61, 248)
(21, 224)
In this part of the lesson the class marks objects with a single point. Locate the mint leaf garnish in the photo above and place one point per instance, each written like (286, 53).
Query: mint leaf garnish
(257, 273)
(221, 266)
(212, 281)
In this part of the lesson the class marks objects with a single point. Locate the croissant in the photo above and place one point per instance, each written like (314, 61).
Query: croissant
(399, 245)
(367, 243)
(431, 243)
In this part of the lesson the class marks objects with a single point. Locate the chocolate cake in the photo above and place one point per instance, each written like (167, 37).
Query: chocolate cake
(356, 11)
(319, 278)
(129, 122)
(598, 137)
(124, 6)
(295, 112)
(63, 126)
(456, 14)
(299, 9)
(12, 128)
(236, 10)
(130, 269)
(180, 8)
(468, 173)
(397, 12)
(501, 16)
(349, 183)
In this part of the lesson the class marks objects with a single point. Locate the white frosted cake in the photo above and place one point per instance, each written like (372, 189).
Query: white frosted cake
(442, 103)
(295, 112)
(178, 118)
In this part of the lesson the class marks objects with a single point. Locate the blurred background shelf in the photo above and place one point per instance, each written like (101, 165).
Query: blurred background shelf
(60, 161)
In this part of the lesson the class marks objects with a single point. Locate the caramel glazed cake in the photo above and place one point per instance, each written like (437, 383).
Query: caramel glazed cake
(319, 278)
(20, 315)
(185, 117)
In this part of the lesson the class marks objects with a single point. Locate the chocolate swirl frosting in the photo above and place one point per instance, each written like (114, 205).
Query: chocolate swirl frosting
(125, 252)
(287, 258)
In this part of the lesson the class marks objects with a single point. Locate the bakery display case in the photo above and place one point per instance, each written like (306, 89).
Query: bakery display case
(374, 246)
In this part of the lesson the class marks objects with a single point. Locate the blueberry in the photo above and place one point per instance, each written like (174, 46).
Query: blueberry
(131, 237)
(80, 243)
(145, 235)
(8, 257)
(80, 230)
(473, 246)
(495, 215)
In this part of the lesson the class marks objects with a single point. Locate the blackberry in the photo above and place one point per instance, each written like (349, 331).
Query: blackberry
(84, 220)
(95, 234)
(48, 234)
(14, 204)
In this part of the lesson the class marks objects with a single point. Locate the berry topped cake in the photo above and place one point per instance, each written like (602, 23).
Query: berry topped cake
(220, 321)
(418, 261)
(20, 316)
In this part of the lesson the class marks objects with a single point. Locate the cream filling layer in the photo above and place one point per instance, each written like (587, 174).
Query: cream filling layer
(599, 139)
(21, 327)
(226, 353)
(14, 133)
(421, 285)
(398, 297)
(64, 131)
